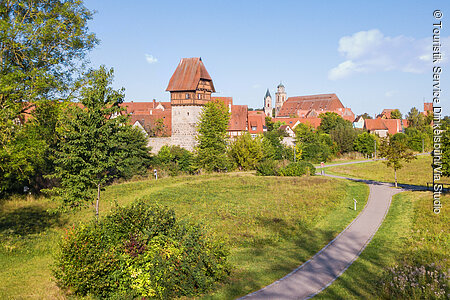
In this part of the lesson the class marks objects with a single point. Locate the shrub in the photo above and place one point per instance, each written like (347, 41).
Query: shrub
(416, 282)
(140, 251)
(298, 169)
(267, 168)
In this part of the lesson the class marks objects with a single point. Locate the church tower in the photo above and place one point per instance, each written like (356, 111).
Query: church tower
(190, 89)
(280, 98)
(268, 104)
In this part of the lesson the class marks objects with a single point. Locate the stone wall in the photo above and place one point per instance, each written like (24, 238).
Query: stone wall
(157, 142)
(184, 125)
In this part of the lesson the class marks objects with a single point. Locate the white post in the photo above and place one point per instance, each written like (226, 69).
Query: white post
(354, 203)
(156, 173)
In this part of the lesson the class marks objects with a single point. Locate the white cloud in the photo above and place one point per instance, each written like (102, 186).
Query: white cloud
(150, 59)
(390, 94)
(371, 51)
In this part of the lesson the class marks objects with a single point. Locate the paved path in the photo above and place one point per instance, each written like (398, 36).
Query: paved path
(329, 263)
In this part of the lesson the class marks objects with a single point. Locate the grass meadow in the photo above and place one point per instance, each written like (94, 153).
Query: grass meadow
(271, 224)
(411, 233)
(417, 172)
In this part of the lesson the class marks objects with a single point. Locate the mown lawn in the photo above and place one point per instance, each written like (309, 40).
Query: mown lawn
(411, 233)
(271, 224)
(417, 172)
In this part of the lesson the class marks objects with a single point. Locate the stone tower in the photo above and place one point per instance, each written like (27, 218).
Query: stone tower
(268, 104)
(280, 98)
(190, 89)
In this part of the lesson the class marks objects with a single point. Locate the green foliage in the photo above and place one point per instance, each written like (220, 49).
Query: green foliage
(267, 168)
(330, 121)
(212, 137)
(395, 150)
(140, 251)
(96, 143)
(344, 136)
(42, 44)
(416, 119)
(175, 160)
(21, 158)
(246, 151)
(315, 146)
(365, 143)
(366, 116)
(415, 138)
(396, 114)
(41, 41)
(273, 148)
(298, 169)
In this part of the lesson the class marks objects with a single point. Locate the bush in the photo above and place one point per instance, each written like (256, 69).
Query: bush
(267, 168)
(297, 169)
(139, 251)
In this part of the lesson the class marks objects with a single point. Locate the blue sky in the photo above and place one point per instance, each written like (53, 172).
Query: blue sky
(372, 54)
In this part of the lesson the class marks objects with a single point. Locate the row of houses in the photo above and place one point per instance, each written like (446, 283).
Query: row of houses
(191, 87)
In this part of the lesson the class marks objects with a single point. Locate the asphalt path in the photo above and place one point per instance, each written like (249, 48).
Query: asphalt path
(328, 264)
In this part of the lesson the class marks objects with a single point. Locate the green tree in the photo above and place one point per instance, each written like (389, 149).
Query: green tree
(396, 114)
(315, 146)
(344, 136)
(211, 151)
(366, 116)
(42, 45)
(396, 151)
(416, 119)
(246, 151)
(96, 143)
(365, 143)
(330, 121)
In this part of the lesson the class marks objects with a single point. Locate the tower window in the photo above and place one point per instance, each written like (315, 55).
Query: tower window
(187, 96)
(199, 96)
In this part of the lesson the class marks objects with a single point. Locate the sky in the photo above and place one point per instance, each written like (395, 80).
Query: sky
(372, 54)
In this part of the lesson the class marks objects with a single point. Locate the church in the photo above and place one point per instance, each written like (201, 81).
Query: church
(304, 107)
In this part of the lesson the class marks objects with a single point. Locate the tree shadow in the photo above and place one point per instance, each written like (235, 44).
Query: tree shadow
(29, 220)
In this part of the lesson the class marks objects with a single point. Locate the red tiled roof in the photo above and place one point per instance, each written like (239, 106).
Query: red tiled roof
(314, 122)
(143, 108)
(256, 120)
(393, 126)
(149, 121)
(238, 119)
(319, 103)
(387, 112)
(188, 74)
(226, 100)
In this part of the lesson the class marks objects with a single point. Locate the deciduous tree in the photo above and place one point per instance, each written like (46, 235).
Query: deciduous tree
(396, 151)
(211, 151)
(96, 143)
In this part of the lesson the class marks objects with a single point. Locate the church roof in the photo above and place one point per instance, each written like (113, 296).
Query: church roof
(188, 74)
(319, 103)
(267, 94)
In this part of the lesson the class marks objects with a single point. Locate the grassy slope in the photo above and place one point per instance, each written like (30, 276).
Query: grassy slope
(271, 224)
(411, 232)
(417, 172)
